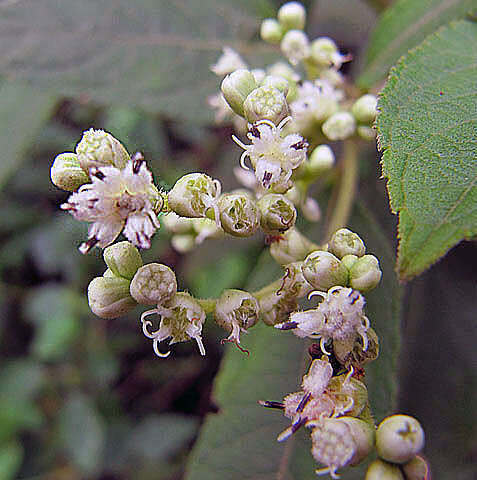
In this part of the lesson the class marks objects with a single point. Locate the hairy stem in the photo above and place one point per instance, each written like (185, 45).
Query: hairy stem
(346, 189)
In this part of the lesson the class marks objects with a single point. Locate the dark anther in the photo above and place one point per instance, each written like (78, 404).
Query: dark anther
(267, 176)
(85, 247)
(303, 402)
(288, 325)
(298, 424)
(355, 299)
(255, 131)
(138, 160)
(96, 172)
(271, 404)
(300, 145)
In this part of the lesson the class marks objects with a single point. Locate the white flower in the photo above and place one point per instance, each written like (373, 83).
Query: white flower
(317, 378)
(339, 317)
(273, 157)
(228, 62)
(181, 320)
(223, 112)
(116, 200)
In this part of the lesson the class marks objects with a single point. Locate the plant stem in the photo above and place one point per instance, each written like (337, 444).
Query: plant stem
(380, 5)
(346, 189)
(208, 304)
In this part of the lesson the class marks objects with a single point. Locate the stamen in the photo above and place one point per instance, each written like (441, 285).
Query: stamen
(237, 344)
(303, 402)
(239, 143)
(96, 172)
(242, 160)
(301, 145)
(272, 404)
(85, 247)
(265, 121)
(316, 292)
(137, 161)
(198, 339)
(286, 325)
(155, 346)
(322, 346)
(284, 122)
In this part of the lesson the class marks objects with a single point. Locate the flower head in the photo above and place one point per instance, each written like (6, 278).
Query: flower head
(273, 157)
(114, 201)
(339, 317)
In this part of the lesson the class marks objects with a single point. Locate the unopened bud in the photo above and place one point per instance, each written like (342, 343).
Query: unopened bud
(349, 260)
(294, 284)
(292, 15)
(416, 469)
(323, 270)
(153, 284)
(271, 31)
(98, 148)
(345, 242)
(399, 438)
(239, 215)
(291, 247)
(351, 395)
(295, 46)
(339, 126)
(176, 224)
(265, 103)
(228, 62)
(278, 214)
(321, 159)
(363, 435)
(365, 108)
(123, 259)
(366, 133)
(280, 83)
(323, 52)
(311, 210)
(236, 87)
(276, 308)
(109, 273)
(66, 172)
(365, 274)
(380, 470)
(109, 297)
(193, 195)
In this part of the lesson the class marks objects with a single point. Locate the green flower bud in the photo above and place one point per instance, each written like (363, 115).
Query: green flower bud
(66, 172)
(276, 307)
(345, 242)
(236, 311)
(109, 273)
(291, 247)
(379, 470)
(365, 108)
(363, 435)
(282, 69)
(98, 148)
(265, 103)
(153, 284)
(193, 194)
(323, 270)
(239, 215)
(321, 160)
(123, 259)
(311, 210)
(292, 15)
(271, 31)
(366, 133)
(365, 274)
(323, 51)
(295, 46)
(236, 87)
(278, 82)
(416, 469)
(278, 214)
(339, 126)
(399, 438)
(176, 224)
(351, 394)
(349, 260)
(109, 297)
(294, 284)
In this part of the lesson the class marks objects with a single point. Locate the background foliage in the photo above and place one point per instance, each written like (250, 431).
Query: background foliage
(82, 397)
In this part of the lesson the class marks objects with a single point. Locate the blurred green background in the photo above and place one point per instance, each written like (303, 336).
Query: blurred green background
(85, 398)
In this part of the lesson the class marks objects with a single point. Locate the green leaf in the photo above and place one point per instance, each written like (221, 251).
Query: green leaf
(23, 111)
(150, 54)
(427, 128)
(81, 432)
(402, 27)
(239, 442)
(11, 457)
(55, 311)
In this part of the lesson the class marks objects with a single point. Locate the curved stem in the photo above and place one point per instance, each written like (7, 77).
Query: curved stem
(208, 304)
(346, 189)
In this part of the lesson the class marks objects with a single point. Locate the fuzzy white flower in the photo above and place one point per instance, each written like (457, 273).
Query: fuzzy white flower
(117, 200)
(228, 62)
(272, 156)
(339, 317)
